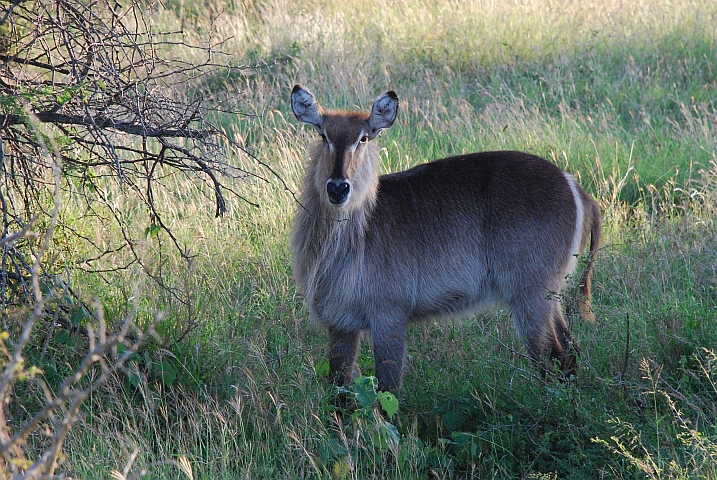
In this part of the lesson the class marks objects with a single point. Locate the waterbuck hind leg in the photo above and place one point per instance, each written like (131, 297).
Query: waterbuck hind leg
(342, 357)
(548, 339)
(389, 349)
(563, 360)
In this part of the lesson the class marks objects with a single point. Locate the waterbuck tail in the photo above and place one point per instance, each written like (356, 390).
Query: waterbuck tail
(593, 228)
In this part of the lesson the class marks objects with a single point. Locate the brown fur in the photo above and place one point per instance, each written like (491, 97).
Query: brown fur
(438, 239)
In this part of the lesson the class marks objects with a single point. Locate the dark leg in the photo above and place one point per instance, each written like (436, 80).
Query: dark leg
(389, 347)
(548, 340)
(568, 349)
(342, 358)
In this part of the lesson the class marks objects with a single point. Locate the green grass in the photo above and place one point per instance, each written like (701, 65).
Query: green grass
(623, 94)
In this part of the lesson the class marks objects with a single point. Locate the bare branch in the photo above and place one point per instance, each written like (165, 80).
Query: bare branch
(108, 123)
(91, 95)
(107, 81)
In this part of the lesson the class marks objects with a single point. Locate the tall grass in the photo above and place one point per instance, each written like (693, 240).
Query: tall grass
(623, 94)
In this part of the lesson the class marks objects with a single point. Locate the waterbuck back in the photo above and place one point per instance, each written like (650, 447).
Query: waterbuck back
(376, 252)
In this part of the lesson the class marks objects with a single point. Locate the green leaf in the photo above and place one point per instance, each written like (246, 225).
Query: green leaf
(46, 286)
(365, 390)
(334, 448)
(389, 403)
(63, 337)
(341, 470)
(122, 349)
(64, 96)
(152, 230)
(166, 372)
(467, 441)
(78, 314)
(133, 375)
(392, 432)
(453, 420)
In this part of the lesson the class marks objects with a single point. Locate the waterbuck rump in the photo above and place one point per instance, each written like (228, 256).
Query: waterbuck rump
(376, 252)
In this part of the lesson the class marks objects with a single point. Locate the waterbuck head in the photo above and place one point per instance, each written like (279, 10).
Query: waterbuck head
(345, 162)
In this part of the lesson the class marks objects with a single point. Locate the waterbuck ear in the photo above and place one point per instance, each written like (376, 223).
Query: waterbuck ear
(383, 112)
(306, 108)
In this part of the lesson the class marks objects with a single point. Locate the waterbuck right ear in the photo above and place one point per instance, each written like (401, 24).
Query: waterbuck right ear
(306, 108)
(383, 112)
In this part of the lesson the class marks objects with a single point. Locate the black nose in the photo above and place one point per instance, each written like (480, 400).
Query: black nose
(338, 191)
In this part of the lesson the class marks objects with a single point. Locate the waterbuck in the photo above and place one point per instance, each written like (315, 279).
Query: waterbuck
(376, 252)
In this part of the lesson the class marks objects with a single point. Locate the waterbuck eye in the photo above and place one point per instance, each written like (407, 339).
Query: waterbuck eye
(364, 139)
(323, 137)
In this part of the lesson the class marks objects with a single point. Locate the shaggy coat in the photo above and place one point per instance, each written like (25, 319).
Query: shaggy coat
(375, 252)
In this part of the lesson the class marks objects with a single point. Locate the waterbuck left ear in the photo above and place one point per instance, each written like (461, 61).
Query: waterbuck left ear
(383, 112)
(306, 108)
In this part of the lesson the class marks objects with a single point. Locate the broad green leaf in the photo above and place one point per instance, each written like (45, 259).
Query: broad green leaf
(365, 390)
(392, 432)
(62, 337)
(389, 403)
(166, 372)
(78, 314)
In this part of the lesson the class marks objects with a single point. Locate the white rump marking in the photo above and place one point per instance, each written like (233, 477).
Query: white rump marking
(579, 219)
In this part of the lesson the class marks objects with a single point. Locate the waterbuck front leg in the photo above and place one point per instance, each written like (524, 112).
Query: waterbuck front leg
(389, 350)
(344, 347)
